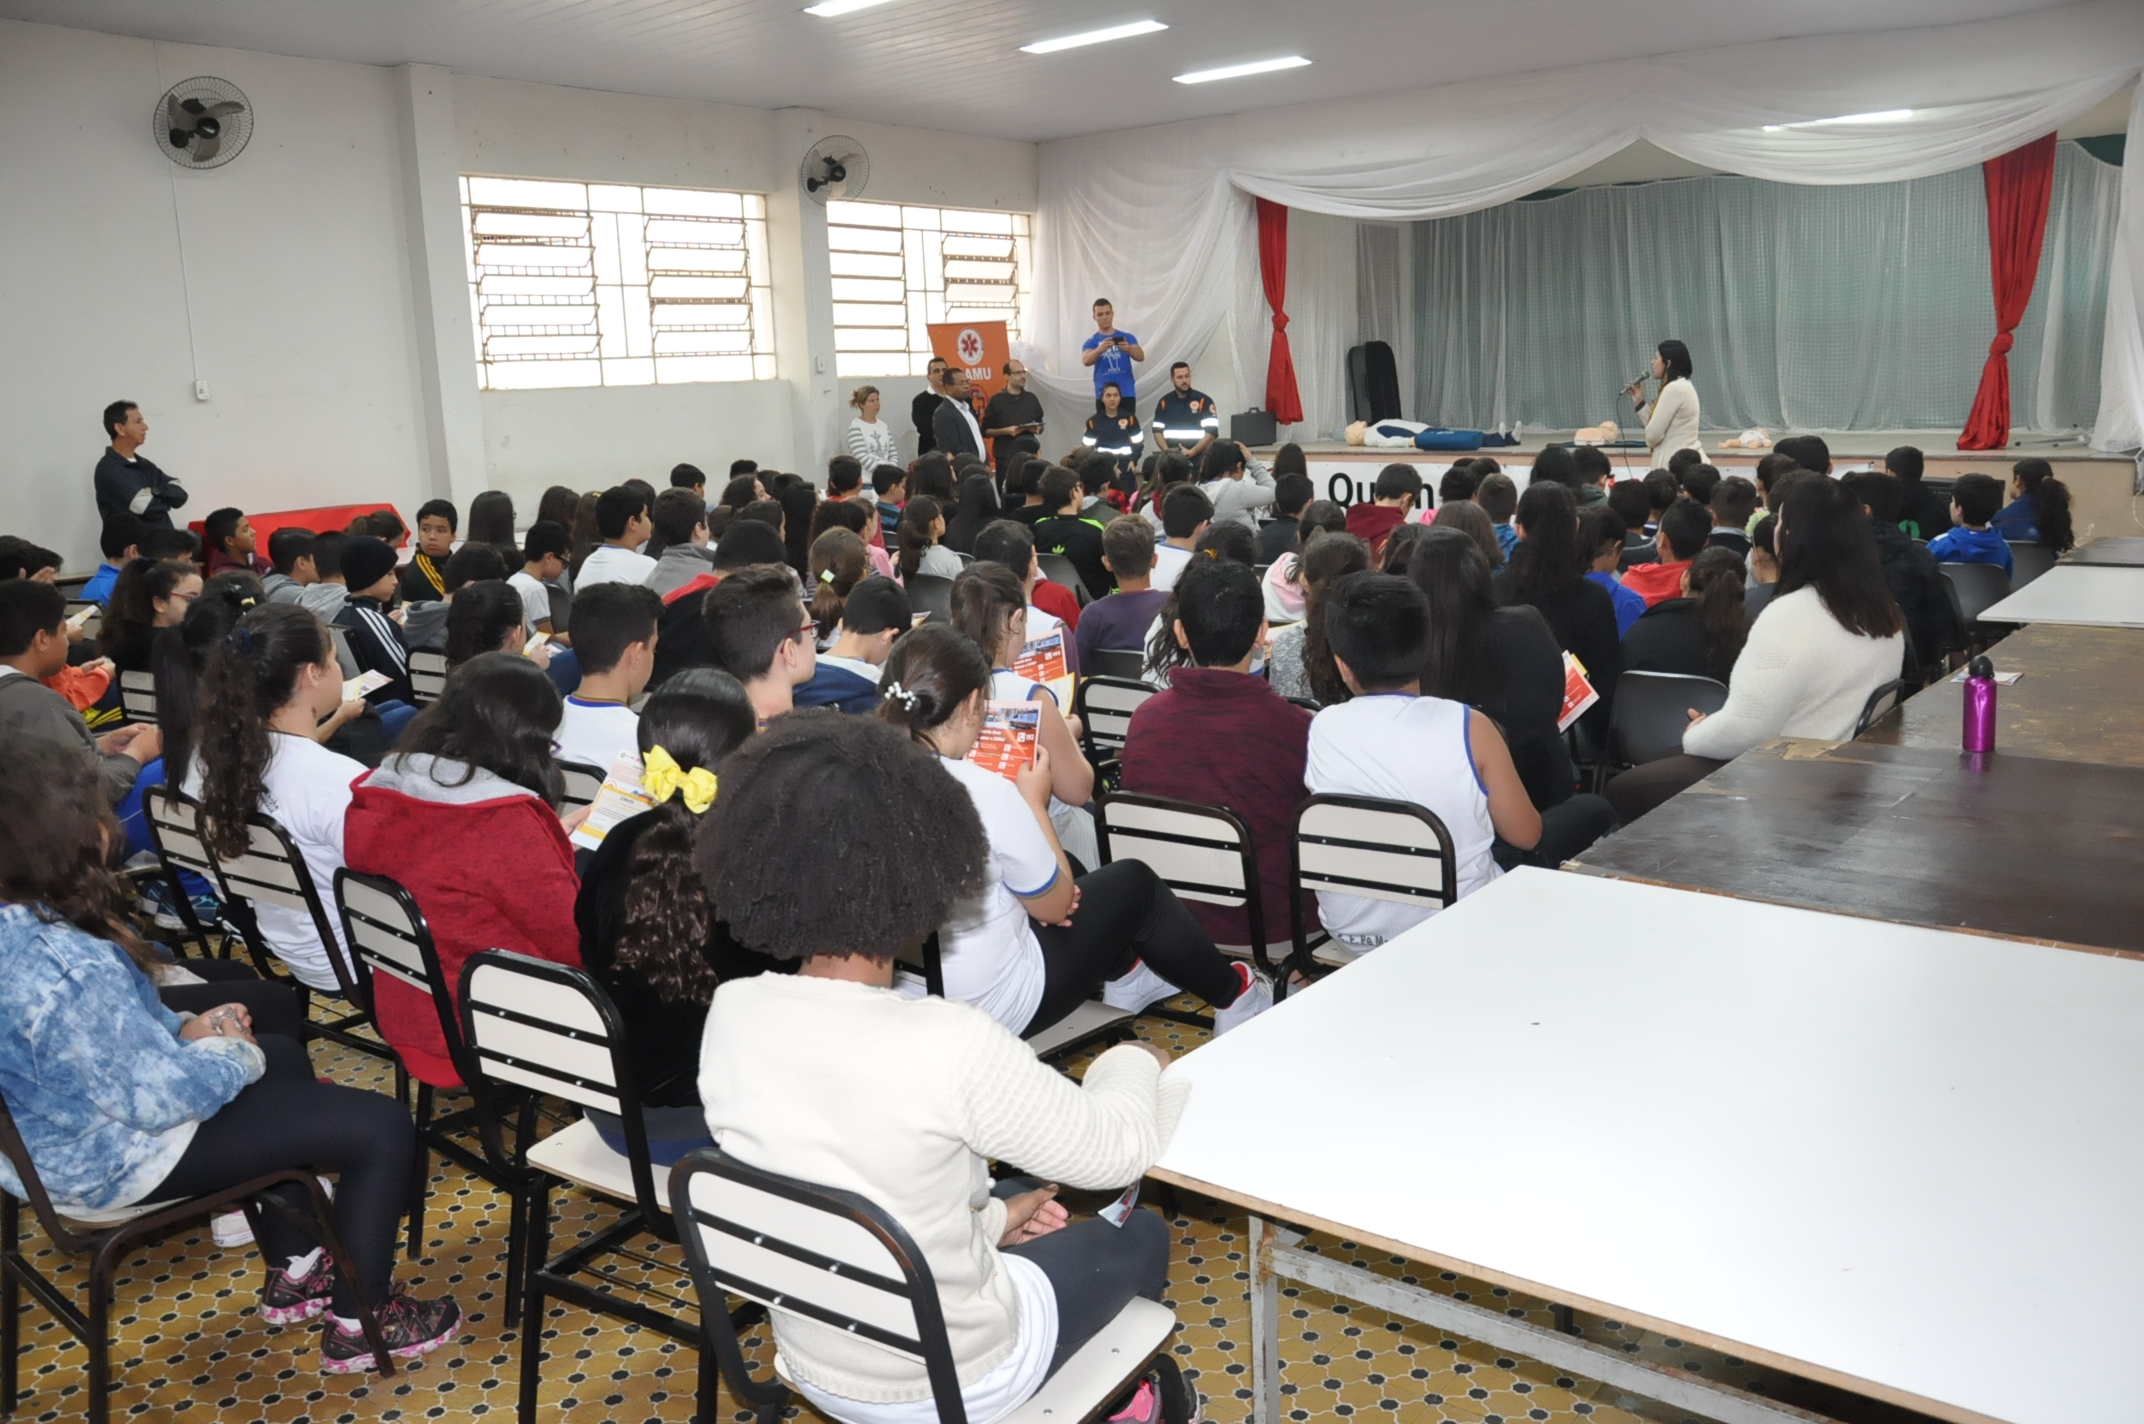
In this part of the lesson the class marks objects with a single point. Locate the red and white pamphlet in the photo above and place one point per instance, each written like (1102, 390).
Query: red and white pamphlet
(1011, 733)
(1578, 693)
(1043, 660)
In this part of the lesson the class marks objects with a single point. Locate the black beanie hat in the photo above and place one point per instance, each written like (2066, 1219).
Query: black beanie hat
(365, 561)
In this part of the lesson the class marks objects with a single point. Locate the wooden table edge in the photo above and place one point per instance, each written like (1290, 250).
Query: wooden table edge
(1786, 1364)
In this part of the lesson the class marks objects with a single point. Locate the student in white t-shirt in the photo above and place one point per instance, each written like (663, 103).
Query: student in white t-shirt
(1185, 513)
(623, 524)
(614, 635)
(544, 554)
(1118, 930)
(263, 694)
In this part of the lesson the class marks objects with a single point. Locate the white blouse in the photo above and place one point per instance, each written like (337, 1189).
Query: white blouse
(1672, 424)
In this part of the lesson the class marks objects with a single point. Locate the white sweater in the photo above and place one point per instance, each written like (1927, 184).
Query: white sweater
(1672, 425)
(871, 442)
(1800, 675)
(905, 1101)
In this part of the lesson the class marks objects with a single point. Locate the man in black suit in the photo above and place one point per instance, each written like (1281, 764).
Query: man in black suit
(953, 425)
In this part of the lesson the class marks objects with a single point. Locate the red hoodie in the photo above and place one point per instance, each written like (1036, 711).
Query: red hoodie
(490, 867)
(1655, 583)
(1373, 524)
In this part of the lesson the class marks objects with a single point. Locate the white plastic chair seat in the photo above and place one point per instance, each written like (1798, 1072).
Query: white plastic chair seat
(577, 1154)
(1088, 1019)
(102, 1218)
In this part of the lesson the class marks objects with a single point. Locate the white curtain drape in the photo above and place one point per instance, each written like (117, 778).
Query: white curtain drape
(1162, 214)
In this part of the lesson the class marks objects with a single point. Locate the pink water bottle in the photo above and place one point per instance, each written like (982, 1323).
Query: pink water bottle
(1978, 732)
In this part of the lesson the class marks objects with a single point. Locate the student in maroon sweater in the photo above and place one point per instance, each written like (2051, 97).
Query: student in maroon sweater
(1222, 737)
(1392, 499)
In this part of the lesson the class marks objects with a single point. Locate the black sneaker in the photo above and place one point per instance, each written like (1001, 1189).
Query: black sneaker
(409, 1327)
(288, 1299)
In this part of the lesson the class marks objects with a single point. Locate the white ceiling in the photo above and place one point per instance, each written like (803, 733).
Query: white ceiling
(958, 67)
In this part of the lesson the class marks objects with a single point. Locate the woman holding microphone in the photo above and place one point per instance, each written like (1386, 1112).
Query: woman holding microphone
(1671, 421)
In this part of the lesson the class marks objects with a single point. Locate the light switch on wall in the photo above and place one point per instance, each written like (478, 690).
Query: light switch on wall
(200, 390)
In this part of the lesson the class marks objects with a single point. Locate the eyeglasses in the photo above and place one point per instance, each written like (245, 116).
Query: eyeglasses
(809, 630)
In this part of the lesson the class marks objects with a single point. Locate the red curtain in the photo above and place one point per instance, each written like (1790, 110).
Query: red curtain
(1282, 397)
(2019, 184)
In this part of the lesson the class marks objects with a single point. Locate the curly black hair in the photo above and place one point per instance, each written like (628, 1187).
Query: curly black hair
(891, 841)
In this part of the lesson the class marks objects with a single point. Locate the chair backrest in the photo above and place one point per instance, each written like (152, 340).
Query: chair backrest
(1979, 587)
(930, 595)
(344, 658)
(2027, 562)
(175, 830)
(17, 1153)
(1105, 706)
(389, 935)
(427, 674)
(552, 1028)
(1059, 570)
(1202, 853)
(1126, 663)
(273, 872)
(582, 783)
(821, 1254)
(1379, 850)
(1880, 704)
(1652, 711)
(137, 695)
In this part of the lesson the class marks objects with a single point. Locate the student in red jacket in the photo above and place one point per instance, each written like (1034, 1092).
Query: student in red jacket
(1685, 525)
(1397, 491)
(464, 816)
(1221, 736)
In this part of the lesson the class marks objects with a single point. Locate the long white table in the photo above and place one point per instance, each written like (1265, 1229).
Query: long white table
(2096, 595)
(1829, 1142)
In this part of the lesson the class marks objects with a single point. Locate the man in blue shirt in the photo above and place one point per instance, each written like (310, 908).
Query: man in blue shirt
(128, 483)
(1974, 501)
(1185, 420)
(1111, 353)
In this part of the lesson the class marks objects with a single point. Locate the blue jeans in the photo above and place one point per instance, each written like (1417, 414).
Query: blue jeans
(394, 716)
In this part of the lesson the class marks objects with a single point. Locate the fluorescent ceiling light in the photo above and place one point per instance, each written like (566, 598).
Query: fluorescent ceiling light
(1880, 116)
(1114, 32)
(1237, 71)
(828, 9)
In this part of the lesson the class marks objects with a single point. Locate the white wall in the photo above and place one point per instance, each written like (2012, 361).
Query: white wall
(592, 438)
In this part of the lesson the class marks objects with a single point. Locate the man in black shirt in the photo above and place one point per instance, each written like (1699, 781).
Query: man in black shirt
(923, 410)
(1011, 413)
(1185, 420)
(1065, 533)
(125, 482)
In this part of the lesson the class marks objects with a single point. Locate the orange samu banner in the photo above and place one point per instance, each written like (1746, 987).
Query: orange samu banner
(978, 347)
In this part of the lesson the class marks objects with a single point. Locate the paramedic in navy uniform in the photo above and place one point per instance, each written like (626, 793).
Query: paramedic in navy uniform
(1186, 421)
(1111, 353)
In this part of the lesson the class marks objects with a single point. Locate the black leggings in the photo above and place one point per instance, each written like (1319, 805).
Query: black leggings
(1645, 788)
(1125, 915)
(1568, 828)
(274, 1007)
(1095, 1269)
(292, 1119)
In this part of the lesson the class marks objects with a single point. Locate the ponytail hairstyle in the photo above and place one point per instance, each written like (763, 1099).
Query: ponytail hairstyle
(697, 718)
(914, 532)
(481, 616)
(985, 599)
(1717, 579)
(2050, 504)
(55, 825)
(130, 612)
(250, 673)
(838, 564)
(179, 656)
(1320, 516)
(931, 673)
(1325, 561)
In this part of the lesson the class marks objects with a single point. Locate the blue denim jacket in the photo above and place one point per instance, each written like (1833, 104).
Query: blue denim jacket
(102, 1088)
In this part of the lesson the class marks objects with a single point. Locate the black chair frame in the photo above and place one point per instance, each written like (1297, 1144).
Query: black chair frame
(1894, 690)
(169, 864)
(1095, 750)
(1446, 896)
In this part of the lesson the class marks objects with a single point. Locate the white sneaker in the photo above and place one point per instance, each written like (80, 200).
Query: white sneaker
(1137, 990)
(1256, 998)
(230, 1228)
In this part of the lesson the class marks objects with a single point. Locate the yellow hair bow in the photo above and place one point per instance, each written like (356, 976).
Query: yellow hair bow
(664, 778)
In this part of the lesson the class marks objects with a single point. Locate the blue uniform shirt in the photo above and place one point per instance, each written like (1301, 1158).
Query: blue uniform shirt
(1113, 365)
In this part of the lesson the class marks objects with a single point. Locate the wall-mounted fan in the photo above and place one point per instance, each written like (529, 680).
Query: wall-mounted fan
(836, 167)
(202, 123)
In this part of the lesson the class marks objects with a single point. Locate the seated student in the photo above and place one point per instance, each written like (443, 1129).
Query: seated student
(1395, 495)
(1922, 513)
(1909, 569)
(1221, 736)
(543, 563)
(1771, 469)
(1831, 636)
(425, 578)
(837, 565)
(989, 607)
(120, 543)
(1023, 491)
(368, 567)
(464, 816)
(1051, 607)
(918, 534)
(1162, 473)
(171, 1106)
(759, 633)
(1548, 572)
(1391, 742)
(1734, 500)
(1633, 506)
(647, 934)
(889, 487)
(1276, 537)
(1299, 664)
(679, 542)
(425, 624)
(1284, 587)
(291, 565)
(228, 537)
(1069, 533)
(1595, 475)
(623, 525)
(1763, 566)
(2039, 508)
(487, 616)
(1185, 513)
(1498, 497)
(1698, 481)
(846, 675)
(614, 636)
(975, 508)
(326, 597)
(689, 477)
(930, 1091)
(1602, 533)
(852, 515)
(33, 646)
(1684, 527)
(1663, 489)
(147, 596)
(1238, 487)
(1457, 485)
(265, 689)
(1680, 461)
(1120, 620)
(683, 626)
(1974, 501)
(1025, 976)
(1699, 634)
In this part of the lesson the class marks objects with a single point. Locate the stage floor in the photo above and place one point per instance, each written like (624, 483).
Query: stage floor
(1847, 446)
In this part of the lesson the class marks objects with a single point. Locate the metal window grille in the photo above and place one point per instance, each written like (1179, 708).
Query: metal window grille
(897, 268)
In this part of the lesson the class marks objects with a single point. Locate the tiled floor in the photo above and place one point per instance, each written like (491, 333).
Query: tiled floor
(190, 1347)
